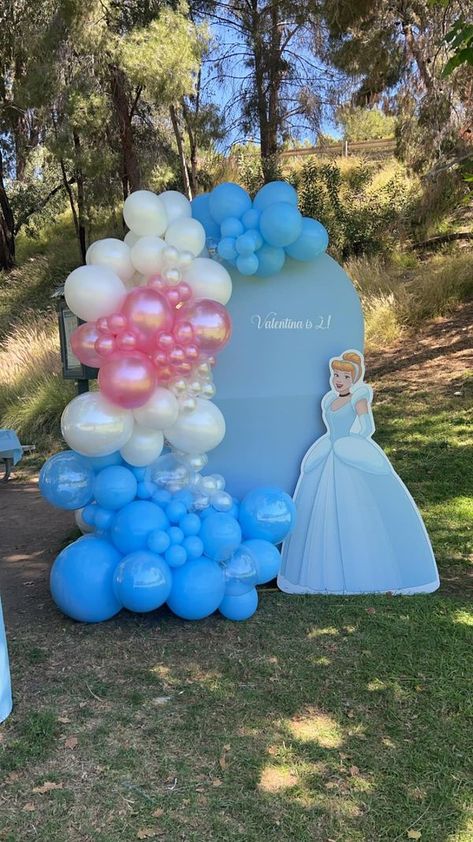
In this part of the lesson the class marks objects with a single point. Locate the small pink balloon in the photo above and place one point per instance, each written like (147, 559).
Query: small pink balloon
(117, 323)
(185, 291)
(83, 340)
(177, 356)
(192, 352)
(165, 341)
(173, 296)
(210, 321)
(184, 333)
(148, 313)
(127, 379)
(105, 345)
(126, 341)
(156, 282)
(102, 325)
(184, 367)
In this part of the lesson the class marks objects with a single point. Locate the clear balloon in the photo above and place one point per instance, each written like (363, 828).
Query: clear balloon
(198, 431)
(197, 589)
(147, 255)
(267, 559)
(160, 411)
(143, 447)
(127, 379)
(267, 513)
(208, 279)
(186, 235)
(176, 205)
(240, 572)
(280, 224)
(113, 254)
(84, 527)
(168, 472)
(81, 580)
(83, 340)
(94, 427)
(142, 581)
(148, 312)
(94, 291)
(210, 321)
(66, 480)
(145, 213)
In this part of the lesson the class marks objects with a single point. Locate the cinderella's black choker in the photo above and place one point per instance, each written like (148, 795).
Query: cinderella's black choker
(340, 395)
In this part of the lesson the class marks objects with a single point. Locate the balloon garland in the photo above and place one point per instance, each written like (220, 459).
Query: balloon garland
(155, 529)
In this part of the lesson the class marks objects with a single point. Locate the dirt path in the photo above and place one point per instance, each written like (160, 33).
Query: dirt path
(31, 532)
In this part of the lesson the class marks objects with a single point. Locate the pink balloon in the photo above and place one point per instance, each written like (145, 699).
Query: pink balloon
(83, 340)
(148, 313)
(127, 379)
(126, 341)
(105, 345)
(117, 323)
(210, 321)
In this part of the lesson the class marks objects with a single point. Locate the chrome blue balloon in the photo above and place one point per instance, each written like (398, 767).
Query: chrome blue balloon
(267, 513)
(312, 241)
(142, 581)
(248, 264)
(270, 260)
(273, 193)
(115, 486)
(197, 589)
(81, 580)
(133, 524)
(239, 607)
(228, 199)
(66, 480)
(231, 227)
(267, 559)
(240, 572)
(280, 224)
(220, 534)
(201, 212)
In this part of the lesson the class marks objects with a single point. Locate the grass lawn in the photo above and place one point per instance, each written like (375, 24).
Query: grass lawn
(319, 720)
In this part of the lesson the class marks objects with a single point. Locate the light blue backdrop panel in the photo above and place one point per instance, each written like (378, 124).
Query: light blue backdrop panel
(5, 685)
(272, 375)
(10, 447)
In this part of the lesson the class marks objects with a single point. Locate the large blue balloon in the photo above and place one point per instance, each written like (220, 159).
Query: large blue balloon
(228, 199)
(67, 481)
(142, 581)
(270, 260)
(220, 534)
(115, 487)
(312, 241)
(240, 572)
(197, 589)
(81, 580)
(134, 523)
(201, 212)
(267, 559)
(280, 224)
(239, 607)
(267, 513)
(273, 193)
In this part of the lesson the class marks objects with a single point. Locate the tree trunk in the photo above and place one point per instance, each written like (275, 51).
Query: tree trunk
(81, 214)
(7, 226)
(191, 136)
(129, 170)
(181, 152)
(267, 100)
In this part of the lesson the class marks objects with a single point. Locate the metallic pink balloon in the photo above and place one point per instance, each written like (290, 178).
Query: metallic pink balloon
(210, 321)
(127, 379)
(83, 340)
(105, 345)
(148, 313)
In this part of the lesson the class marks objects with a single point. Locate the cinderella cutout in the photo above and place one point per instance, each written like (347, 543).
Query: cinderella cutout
(358, 529)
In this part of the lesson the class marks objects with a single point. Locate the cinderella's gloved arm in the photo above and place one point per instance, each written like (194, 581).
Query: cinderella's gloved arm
(365, 420)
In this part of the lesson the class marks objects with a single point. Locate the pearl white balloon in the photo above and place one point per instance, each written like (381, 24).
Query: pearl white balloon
(83, 526)
(186, 235)
(113, 254)
(208, 279)
(145, 214)
(147, 255)
(197, 431)
(143, 447)
(94, 291)
(160, 412)
(94, 427)
(177, 206)
(130, 239)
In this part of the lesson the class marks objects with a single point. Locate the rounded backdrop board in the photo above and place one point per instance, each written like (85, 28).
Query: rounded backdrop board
(272, 375)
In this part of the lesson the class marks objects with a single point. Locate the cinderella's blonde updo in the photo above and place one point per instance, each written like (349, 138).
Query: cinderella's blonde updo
(350, 361)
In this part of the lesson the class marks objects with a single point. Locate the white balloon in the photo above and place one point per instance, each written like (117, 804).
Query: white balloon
(186, 235)
(94, 291)
(208, 279)
(94, 427)
(147, 255)
(83, 526)
(143, 447)
(113, 254)
(160, 412)
(130, 239)
(197, 431)
(177, 206)
(145, 214)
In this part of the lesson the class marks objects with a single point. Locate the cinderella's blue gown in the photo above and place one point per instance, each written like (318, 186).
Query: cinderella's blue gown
(358, 529)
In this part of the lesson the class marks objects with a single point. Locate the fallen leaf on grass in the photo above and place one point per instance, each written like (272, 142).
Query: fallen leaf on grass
(161, 700)
(71, 742)
(414, 834)
(12, 777)
(223, 757)
(354, 770)
(158, 813)
(217, 782)
(47, 787)
(149, 833)
(29, 807)
(371, 610)
(64, 720)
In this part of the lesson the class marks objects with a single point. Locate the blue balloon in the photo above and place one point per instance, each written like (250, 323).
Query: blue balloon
(239, 607)
(98, 463)
(162, 497)
(201, 211)
(250, 219)
(81, 580)
(142, 581)
(228, 199)
(231, 227)
(66, 480)
(240, 572)
(146, 489)
(255, 235)
(175, 510)
(267, 513)
(197, 589)
(245, 244)
(267, 559)
(176, 555)
(133, 524)
(312, 241)
(226, 249)
(280, 224)
(193, 546)
(176, 535)
(274, 193)
(220, 534)
(158, 541)
(103, 518)
(88, 514)
(247, 265)
(270, 260)
(190, 524)
(115, 487)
